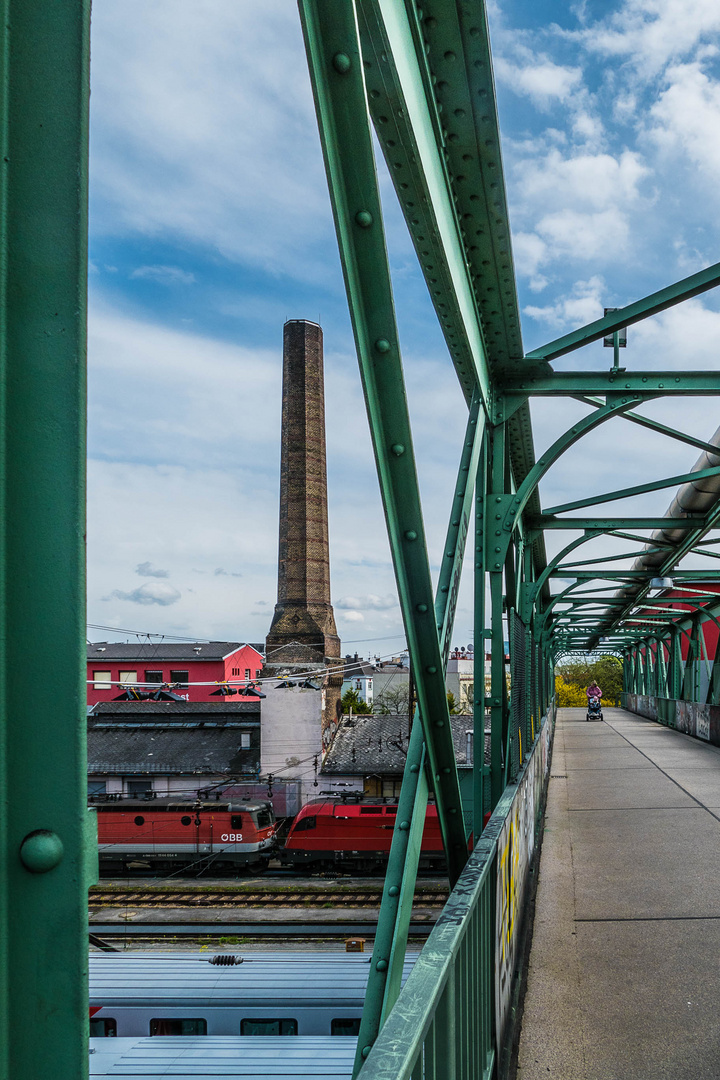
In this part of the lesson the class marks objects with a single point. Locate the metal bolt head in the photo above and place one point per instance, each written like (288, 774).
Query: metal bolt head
(364, 219)
(404, 826)
(411, 534)
(398, 449)
(382, 344)
(431, 670)
(422, 608)
(393, 890)
(342, 63)
(381, 965)
(41, 851)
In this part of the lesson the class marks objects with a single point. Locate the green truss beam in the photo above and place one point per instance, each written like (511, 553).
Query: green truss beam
(643, 384)
(335, 63)
(631, 313)
(637, 489)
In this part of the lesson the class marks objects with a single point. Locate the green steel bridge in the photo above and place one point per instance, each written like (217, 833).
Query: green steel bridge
(418, 72)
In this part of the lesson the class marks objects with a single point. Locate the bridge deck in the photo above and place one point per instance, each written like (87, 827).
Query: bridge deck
(623, 974)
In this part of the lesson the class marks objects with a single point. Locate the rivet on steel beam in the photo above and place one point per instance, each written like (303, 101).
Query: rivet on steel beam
(393, 890)
(414, 768)
(422, 608)
(341, 63)
(404, 826)
(398, 449)
(411, 535)
(364, 219)
(382, 344)
(439, 723)
(41, 851)
(431, 670)
(366, 1050)
(381, 965)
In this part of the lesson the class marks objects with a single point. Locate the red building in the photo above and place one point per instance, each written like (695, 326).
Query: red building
(193, 670)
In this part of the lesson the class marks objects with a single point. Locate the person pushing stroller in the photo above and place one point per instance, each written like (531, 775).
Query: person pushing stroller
(594, 709)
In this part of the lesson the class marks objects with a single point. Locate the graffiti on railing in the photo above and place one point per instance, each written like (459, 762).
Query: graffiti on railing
(516, 845)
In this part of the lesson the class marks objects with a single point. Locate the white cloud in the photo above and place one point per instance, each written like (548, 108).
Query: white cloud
(155, 593)
(164, 275)
(685, 120)
(371, 602)
(582, 306)
(352, 616)
(539, 78)
(146, 569)
(651, 33)
(203, 128)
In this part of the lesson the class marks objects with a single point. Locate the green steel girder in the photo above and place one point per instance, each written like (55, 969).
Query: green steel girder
(404, 113)
(637, 489)
(631, 313)
(336, 72)
(642, 384)
(554, 452)
(547, 521)
(635, 575)
(580, 563)
(654, 425)
(47, 842)
(399, 890)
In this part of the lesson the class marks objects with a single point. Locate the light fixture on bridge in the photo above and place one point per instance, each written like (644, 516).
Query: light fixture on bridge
(615, 341)
(661, 583)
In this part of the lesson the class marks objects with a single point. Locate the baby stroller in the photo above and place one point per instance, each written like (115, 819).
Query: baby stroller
(594, 709)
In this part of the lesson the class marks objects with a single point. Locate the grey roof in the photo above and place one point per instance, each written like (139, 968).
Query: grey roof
(166, 650)
(377, 744)
(196, 750)
(176, 711)
(354, 668)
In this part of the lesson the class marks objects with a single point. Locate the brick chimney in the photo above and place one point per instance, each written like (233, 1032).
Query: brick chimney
(303, 635)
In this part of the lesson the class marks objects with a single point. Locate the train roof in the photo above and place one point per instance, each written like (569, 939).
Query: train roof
(285, 980)
(184, 806)
(209, 1057)
(353, 807)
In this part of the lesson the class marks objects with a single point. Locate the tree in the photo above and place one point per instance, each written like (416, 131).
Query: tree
(606, 671)
(393, 700)
(351, 701)
(453, 707)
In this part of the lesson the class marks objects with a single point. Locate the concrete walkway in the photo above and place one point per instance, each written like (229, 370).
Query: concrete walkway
(624, 978)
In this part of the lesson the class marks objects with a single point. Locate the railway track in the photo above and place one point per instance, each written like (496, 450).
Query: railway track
(239, 897)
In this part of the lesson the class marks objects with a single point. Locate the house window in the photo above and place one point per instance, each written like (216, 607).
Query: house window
(128, 678)
(154, 676)
(247, 673)
(244, 740)
(101, 680)
(181, 677)
(97, 787)
(257, 673)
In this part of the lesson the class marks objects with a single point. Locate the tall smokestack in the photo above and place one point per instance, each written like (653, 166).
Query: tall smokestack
(303, 632)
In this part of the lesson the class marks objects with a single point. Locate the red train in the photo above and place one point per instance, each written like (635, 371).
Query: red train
(166, 834)
(332, 835)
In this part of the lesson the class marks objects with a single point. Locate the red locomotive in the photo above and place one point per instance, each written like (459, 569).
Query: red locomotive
(335, 835)
(165, 834)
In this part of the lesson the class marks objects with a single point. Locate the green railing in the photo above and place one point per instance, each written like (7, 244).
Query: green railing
(450, 1018)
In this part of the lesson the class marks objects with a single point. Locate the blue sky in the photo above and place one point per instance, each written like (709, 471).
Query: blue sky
(211, 225)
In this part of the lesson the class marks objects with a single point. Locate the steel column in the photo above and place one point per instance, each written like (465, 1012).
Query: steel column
(44, 849)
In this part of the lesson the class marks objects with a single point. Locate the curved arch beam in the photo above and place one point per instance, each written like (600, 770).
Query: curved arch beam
(558, 448)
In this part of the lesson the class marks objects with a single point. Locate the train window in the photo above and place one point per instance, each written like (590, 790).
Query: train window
(306, 823)
(101, 1028)
(178, 1025)
(185, 819)
(391, 809)
(264, 818)
(371, 809)
(265, 1026)
(139, 820)
(236, 821)
(351, 1026)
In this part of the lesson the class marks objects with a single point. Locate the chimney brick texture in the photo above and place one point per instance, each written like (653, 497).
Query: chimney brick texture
(303, 631)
